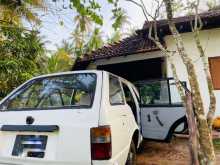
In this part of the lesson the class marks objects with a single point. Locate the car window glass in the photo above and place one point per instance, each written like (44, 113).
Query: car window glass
(154, 93)
(128, 95)
(74, 90)
(129, 99)
(115, 91)
(174, 93)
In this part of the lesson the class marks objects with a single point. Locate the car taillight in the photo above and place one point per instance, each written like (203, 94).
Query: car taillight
(101, 147)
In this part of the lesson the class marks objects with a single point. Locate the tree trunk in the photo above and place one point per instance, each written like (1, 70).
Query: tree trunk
(212, 106)
(186, 99)
(191, 120)
(192, 129)
(205, 139)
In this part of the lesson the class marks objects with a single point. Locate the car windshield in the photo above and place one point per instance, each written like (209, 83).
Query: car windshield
(54, 92)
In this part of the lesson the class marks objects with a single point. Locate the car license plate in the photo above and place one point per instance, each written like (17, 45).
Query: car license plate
(30, 146)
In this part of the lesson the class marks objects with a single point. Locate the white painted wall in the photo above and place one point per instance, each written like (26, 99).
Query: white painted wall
(211, 42)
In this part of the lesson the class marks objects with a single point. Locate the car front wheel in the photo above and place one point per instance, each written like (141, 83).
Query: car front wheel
(132, 157)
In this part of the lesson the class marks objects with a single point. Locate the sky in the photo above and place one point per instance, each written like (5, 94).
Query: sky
(53, 32)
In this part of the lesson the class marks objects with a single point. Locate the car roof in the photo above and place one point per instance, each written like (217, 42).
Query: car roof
(81, 71)
(67, 73)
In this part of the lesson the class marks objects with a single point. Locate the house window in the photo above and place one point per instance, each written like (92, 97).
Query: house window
(215, 71)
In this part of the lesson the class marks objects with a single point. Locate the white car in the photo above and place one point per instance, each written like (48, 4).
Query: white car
(86, 117)
(73, 118)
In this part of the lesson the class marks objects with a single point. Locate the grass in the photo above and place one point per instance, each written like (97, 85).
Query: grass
(216, 143)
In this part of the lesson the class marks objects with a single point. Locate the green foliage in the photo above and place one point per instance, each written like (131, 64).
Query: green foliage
(120, 18)
(11, 11)
(86, 40)
(95, 40)
(90, 10)
(20, 43)
(216, 143)
(83, 23)
(59, 62)
(23, 54)
(20, 48)
(116, 36)
(67, 47)
(150, 92)
(19, 51)
(212, 4)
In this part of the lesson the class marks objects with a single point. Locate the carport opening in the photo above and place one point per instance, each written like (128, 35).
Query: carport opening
(138, 70)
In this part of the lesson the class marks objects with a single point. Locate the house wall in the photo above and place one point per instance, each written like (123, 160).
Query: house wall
(211, 43)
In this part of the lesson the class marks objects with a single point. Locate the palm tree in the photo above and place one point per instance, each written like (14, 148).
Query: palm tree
(67, 47)
(59, 62)
(78, 42)
(120, 18)
(12, 11)
(116, 36)
(95, 40)
(83, 23)
(77, 38)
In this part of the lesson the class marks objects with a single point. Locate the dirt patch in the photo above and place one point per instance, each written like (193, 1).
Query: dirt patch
(158, 153)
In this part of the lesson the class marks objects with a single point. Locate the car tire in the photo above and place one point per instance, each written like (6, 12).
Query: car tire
(173, 127)
(132, 157)
(140, 149)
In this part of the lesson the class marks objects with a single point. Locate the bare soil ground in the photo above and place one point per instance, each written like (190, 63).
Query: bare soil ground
(159, 153)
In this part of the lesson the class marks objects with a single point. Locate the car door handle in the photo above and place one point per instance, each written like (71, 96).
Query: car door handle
(124, 115)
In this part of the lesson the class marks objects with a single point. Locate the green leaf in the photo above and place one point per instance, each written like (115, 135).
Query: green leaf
(94, 4)
(110, 1)
(96, 18)
(61, 23)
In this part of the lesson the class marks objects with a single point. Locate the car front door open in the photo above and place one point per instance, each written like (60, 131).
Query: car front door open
(162, 112)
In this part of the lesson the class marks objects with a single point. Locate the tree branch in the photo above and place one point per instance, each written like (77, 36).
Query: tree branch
(142, 8)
